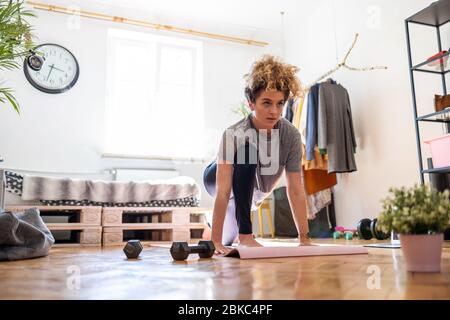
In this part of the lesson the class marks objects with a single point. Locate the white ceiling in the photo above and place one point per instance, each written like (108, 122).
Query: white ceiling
(248, 14)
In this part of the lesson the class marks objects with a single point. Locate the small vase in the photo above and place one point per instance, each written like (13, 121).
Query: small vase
(422, 252)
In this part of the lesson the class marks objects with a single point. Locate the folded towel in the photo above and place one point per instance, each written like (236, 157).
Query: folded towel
(49, 188)
(24, 235)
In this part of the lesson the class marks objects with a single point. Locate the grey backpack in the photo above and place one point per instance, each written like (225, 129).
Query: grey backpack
(24, 235)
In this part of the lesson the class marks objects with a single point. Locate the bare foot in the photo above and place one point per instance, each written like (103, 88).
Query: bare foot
(247, 240)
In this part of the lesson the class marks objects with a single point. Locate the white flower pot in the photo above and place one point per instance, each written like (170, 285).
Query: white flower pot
(422, 252)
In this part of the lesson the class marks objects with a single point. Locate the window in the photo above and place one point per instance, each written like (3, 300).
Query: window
(154, 97)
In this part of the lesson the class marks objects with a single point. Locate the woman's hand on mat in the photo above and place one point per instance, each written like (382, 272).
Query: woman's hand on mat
(220, 248)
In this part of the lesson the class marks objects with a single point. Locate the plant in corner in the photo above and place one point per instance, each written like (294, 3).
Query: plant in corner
(420, 215)
(15, 42)
(242, 109)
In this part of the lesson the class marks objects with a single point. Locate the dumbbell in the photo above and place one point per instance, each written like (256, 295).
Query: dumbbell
(367, 229)
(181, 250)
(132, 249)
(348, 235)
(341, 232)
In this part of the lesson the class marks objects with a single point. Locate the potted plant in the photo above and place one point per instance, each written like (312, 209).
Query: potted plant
(15, 42)
(420, 215)
(242, 109)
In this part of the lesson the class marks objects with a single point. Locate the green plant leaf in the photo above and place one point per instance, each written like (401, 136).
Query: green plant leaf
(242, 109)
(415, 210)
(15, 41)
(8, 97)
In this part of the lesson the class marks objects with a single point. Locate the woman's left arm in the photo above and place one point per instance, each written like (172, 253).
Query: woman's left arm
(297, 201)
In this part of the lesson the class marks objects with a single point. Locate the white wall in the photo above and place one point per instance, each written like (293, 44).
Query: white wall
(65, 132)
(381, 100)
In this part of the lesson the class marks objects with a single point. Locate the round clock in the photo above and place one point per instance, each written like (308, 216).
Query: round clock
(58, 73)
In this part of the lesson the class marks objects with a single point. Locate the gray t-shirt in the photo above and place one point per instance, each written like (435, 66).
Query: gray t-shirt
(276, 153)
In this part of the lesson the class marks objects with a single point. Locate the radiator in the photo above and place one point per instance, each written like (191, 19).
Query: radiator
(124, 174)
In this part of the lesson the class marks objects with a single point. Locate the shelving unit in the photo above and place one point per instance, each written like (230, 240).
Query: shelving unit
(424, 68)
(435, 15)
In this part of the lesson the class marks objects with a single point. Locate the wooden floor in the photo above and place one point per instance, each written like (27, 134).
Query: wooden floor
(106, 274)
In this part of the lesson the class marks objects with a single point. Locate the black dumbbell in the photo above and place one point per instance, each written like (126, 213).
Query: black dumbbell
(367, 229)
(181, 250)
(132, 249)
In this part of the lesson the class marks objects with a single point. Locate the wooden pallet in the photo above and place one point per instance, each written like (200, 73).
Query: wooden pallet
(76, 235)
(82, 215)
(151, 233)
(152, 224)
(131, 216)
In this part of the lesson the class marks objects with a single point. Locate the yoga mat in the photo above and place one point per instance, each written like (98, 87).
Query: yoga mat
(301, 251)
(384, 245)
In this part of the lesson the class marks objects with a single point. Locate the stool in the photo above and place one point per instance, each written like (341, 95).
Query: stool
(264, 205)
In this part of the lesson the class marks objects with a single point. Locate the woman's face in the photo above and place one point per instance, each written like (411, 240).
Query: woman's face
(268, 108)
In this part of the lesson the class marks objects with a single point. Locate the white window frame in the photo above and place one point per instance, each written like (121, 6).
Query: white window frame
(157, 43)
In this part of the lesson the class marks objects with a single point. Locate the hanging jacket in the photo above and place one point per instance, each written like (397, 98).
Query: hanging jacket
(335, 128)
(289, 115)
(311, 121)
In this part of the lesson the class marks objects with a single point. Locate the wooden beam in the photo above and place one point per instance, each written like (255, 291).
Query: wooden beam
(142, 23)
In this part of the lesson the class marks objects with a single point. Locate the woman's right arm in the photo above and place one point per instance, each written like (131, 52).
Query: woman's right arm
(224, 178)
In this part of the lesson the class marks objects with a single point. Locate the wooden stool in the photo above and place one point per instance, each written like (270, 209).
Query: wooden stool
(264, 205)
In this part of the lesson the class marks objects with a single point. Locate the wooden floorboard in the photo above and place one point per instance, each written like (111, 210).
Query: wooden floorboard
(106, 274)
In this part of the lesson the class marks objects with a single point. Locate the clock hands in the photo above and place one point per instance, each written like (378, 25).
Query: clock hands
(52, 66)
(57, 68)
(51, 69)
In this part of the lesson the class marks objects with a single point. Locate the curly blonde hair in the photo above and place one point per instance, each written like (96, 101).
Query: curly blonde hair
(271, 74)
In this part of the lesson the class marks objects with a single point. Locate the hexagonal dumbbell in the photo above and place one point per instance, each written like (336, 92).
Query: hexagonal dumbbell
(181, 250)
(132, 249)
(367, 229)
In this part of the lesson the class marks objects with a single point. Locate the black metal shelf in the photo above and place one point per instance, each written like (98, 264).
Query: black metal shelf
(437, 170)
(435, 15)
(428, 117)
(442, 69)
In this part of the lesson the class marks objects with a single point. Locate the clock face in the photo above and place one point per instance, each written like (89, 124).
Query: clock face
(59, 71)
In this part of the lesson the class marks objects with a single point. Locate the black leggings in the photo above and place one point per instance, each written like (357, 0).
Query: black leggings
(237, 219)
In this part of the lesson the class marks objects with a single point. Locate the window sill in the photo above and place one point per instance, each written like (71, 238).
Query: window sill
(154, 157)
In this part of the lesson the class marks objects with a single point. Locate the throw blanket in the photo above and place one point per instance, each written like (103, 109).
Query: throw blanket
(23, 235)
(49, 188)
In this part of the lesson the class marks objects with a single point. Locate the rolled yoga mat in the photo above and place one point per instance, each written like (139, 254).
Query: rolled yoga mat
(301, 251)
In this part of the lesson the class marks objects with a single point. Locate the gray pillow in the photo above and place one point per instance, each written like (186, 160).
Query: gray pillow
(24, 235)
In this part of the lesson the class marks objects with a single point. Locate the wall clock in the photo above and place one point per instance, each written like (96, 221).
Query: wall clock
(59, 71)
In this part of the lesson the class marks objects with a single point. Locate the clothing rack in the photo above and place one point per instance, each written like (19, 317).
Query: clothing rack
(330, 208)
(343, 64)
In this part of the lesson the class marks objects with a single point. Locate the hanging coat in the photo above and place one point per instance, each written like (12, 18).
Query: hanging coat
(335, 128)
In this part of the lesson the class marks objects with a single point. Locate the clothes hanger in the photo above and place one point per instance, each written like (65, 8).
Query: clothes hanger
(343, 64)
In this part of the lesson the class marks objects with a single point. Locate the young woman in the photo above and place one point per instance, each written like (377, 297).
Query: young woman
(253, 155)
